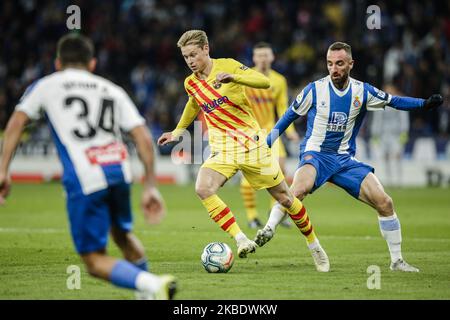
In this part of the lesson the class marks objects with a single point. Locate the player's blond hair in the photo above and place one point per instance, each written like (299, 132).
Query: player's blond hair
(195, 37)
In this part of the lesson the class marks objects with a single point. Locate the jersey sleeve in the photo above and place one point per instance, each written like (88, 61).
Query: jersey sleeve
(248, 77)
(129, 117)
(303, 102)
(190, 112)
(281, 100)
(32, 100)
(376, 99)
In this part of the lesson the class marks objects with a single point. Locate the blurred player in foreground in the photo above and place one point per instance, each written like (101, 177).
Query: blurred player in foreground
(85, 114)
(237, 142)
(266, 105)
(335, 107)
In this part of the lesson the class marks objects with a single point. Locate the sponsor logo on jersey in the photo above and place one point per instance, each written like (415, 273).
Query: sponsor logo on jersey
(209, 107)
(338, 122)
(243, 67)
(113, 153)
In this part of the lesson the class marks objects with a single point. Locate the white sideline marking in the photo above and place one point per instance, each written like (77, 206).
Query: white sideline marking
(155, 232)
(32, 230)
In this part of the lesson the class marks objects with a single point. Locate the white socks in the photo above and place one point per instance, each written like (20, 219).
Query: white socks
(240, 237)
(391, 231)
(147, 282)
(277, 214)
(313, 245)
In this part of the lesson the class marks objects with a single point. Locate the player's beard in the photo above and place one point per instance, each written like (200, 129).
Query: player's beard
(341, 81)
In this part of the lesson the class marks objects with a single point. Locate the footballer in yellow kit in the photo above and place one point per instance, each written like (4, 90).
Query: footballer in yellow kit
(267, 105)
(235, 137)
(217, 86)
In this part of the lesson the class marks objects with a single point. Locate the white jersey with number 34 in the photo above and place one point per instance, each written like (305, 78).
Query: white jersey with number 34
(85, 113)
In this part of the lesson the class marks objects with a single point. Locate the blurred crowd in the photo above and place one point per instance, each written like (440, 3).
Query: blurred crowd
(136, 48)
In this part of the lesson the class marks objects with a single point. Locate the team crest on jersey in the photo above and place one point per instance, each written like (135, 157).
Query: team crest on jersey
(217, 84)
(357, 103)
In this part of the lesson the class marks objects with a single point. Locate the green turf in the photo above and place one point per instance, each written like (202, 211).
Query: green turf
(36, 248)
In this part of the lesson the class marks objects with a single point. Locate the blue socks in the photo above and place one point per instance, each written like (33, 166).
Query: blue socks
(389, 223)
(142, 264)
(124, 274)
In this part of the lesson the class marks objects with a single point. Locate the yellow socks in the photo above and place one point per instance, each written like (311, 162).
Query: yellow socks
(249, 196)
(221, 214)
(300, 217)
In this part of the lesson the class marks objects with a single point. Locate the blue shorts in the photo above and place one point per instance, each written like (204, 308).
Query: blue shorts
(341, 169)
(91, 216)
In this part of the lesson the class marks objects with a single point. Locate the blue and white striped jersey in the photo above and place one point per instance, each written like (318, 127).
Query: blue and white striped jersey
(334, 117)
(85, 113)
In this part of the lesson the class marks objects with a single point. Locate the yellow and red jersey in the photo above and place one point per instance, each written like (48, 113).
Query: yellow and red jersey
(269, 103)
(226, 109)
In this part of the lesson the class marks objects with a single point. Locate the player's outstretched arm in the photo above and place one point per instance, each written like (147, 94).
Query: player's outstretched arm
(253, 79)
(408, 103)
(281, 101)
(190, 112)
(11, 139)
(282, 124)
(434, 101)
(165, 138)
(152, 202)
(299, 107)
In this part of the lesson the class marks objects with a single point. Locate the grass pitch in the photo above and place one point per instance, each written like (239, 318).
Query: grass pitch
(36, 248)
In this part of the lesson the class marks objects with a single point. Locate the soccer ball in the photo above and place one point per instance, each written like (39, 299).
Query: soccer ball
(217, 257)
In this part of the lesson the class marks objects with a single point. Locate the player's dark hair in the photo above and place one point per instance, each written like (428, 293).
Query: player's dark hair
(341, 45)
(75, 49)
(261, 45)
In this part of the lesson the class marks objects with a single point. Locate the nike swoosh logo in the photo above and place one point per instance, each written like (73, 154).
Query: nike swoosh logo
(275, 178)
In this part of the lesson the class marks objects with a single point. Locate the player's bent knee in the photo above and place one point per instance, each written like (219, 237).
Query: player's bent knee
(385, 206)
(203, 192)
(299, 193)
(285, 200)
(92, 265)
(92, 271)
